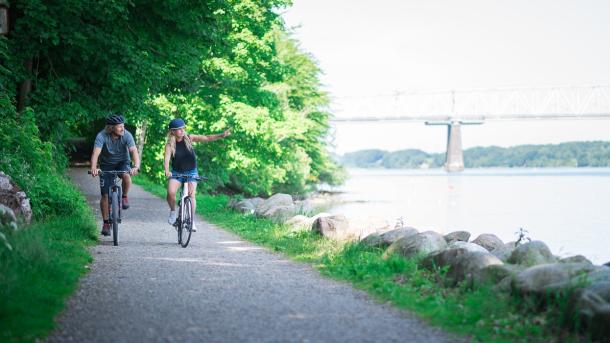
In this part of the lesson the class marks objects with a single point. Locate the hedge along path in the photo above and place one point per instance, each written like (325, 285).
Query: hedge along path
(220, 288)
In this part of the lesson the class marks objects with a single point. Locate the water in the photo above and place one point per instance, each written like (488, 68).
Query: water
(567, 208)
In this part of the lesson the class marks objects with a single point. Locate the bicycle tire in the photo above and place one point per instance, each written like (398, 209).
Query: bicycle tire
(178, 224)
(186, 224)
(115, 218)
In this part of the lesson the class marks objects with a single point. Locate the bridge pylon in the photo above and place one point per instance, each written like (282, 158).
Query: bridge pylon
(454, 157)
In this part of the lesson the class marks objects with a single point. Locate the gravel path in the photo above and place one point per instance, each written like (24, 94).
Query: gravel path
(219, 289)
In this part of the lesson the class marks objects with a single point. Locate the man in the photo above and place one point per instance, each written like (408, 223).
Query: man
(112, 146)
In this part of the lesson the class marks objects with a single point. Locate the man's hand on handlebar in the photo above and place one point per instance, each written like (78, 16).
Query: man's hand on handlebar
(94, 172)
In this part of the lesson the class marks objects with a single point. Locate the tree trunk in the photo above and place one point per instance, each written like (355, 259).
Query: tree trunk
(25, 87)
(141, 133)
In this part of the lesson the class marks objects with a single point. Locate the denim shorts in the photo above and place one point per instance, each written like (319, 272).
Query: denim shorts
(185, 176)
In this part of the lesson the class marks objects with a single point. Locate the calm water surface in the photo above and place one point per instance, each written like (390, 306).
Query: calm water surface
(568, 208)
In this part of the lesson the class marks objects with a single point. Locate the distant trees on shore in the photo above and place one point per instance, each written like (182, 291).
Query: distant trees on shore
(570, 154)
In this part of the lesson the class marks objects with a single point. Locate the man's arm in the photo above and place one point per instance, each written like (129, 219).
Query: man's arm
(136, 160)
(94, 157)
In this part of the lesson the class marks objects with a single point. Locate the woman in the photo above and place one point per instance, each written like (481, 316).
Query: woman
(180, 155)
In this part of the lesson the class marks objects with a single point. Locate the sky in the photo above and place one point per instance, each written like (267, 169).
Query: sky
(369, 48)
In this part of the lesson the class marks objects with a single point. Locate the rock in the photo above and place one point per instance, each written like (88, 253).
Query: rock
(279, 213)
(488, 241)
(7, 218)
(299, 222)
(244, 206)
(392, 236)
(502, 252)
(498, 274)
(278, 200)
(462, 236)
(463, 264)
(424, 243)
(304, 207)
(335, 227)
(467, 246)
(373, 240)
(545, 277)
(15, 199)
(575, 259)
(531, 254)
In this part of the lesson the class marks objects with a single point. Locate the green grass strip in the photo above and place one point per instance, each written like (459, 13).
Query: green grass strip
(39, 273)
(483, 314)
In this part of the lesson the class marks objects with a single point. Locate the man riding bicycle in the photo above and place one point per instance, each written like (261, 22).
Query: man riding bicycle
(113, 146)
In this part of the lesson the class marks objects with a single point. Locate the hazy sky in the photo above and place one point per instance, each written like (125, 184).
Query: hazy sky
(369, 47)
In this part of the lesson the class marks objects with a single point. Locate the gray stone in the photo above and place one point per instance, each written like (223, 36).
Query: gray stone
(424, 243)
(575, 259)
(502, 252)
(278, 200)
(334, 227)
(462, 236)
(392, 236)
(467, 246)
(299, 222)
(373, 240)
(531, 254)
(498, 273)
(544, 277)
(464, 264)
(488, 241)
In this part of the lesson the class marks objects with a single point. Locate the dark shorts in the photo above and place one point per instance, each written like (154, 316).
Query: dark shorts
(191, 173)
(106, 180)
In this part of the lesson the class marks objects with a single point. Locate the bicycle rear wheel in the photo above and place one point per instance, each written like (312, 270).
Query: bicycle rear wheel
(115, 218)
(186, 224)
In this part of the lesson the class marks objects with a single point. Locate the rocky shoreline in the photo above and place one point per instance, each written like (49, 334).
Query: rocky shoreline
(527, 268)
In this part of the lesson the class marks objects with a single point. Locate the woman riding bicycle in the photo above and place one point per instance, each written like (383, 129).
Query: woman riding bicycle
(180, 155)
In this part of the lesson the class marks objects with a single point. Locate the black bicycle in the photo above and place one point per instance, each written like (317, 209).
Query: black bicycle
(184, 221)
(114, 204)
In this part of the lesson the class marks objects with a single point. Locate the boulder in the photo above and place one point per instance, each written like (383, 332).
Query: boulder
(500, 274)
(244, 206)
(503, 252)
(488, 241)
(392, 236)
(362, 227)
(424, 243)
(299, 222)
(7, 218)
(575, 259)
(15, 199)
(278, 200)
(279, 213)
(334, 227)
(462, 236)
(546, 277)
(531, 254)
(373, 240)
(466, 245)
(464, 264)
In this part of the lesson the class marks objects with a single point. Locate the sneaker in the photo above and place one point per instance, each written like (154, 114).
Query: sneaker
(171, 219)
(125, 203)
(106, 229)
(194, 228)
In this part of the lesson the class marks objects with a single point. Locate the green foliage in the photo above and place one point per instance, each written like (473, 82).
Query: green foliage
(40, 272)
(571, 154)
(218, 64)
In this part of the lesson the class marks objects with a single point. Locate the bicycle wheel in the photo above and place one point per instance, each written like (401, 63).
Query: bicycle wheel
(178, 222)
(186, 224)
(115, 217)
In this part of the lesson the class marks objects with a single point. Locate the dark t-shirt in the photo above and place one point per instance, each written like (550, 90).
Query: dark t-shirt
(114, 151)
(184, 159)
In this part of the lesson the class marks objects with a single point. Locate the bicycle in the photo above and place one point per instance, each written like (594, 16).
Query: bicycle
(184, 221)
(114, 207)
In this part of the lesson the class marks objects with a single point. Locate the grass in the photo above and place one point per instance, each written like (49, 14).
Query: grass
(40, 272)
(482, 313)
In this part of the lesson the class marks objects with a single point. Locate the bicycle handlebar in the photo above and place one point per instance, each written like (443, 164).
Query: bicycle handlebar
(116, 172)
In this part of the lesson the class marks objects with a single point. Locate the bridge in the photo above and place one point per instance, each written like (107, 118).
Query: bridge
(470, 107)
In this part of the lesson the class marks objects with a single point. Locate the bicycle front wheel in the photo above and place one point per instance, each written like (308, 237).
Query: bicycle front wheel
(186, 224)
(115, 218)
